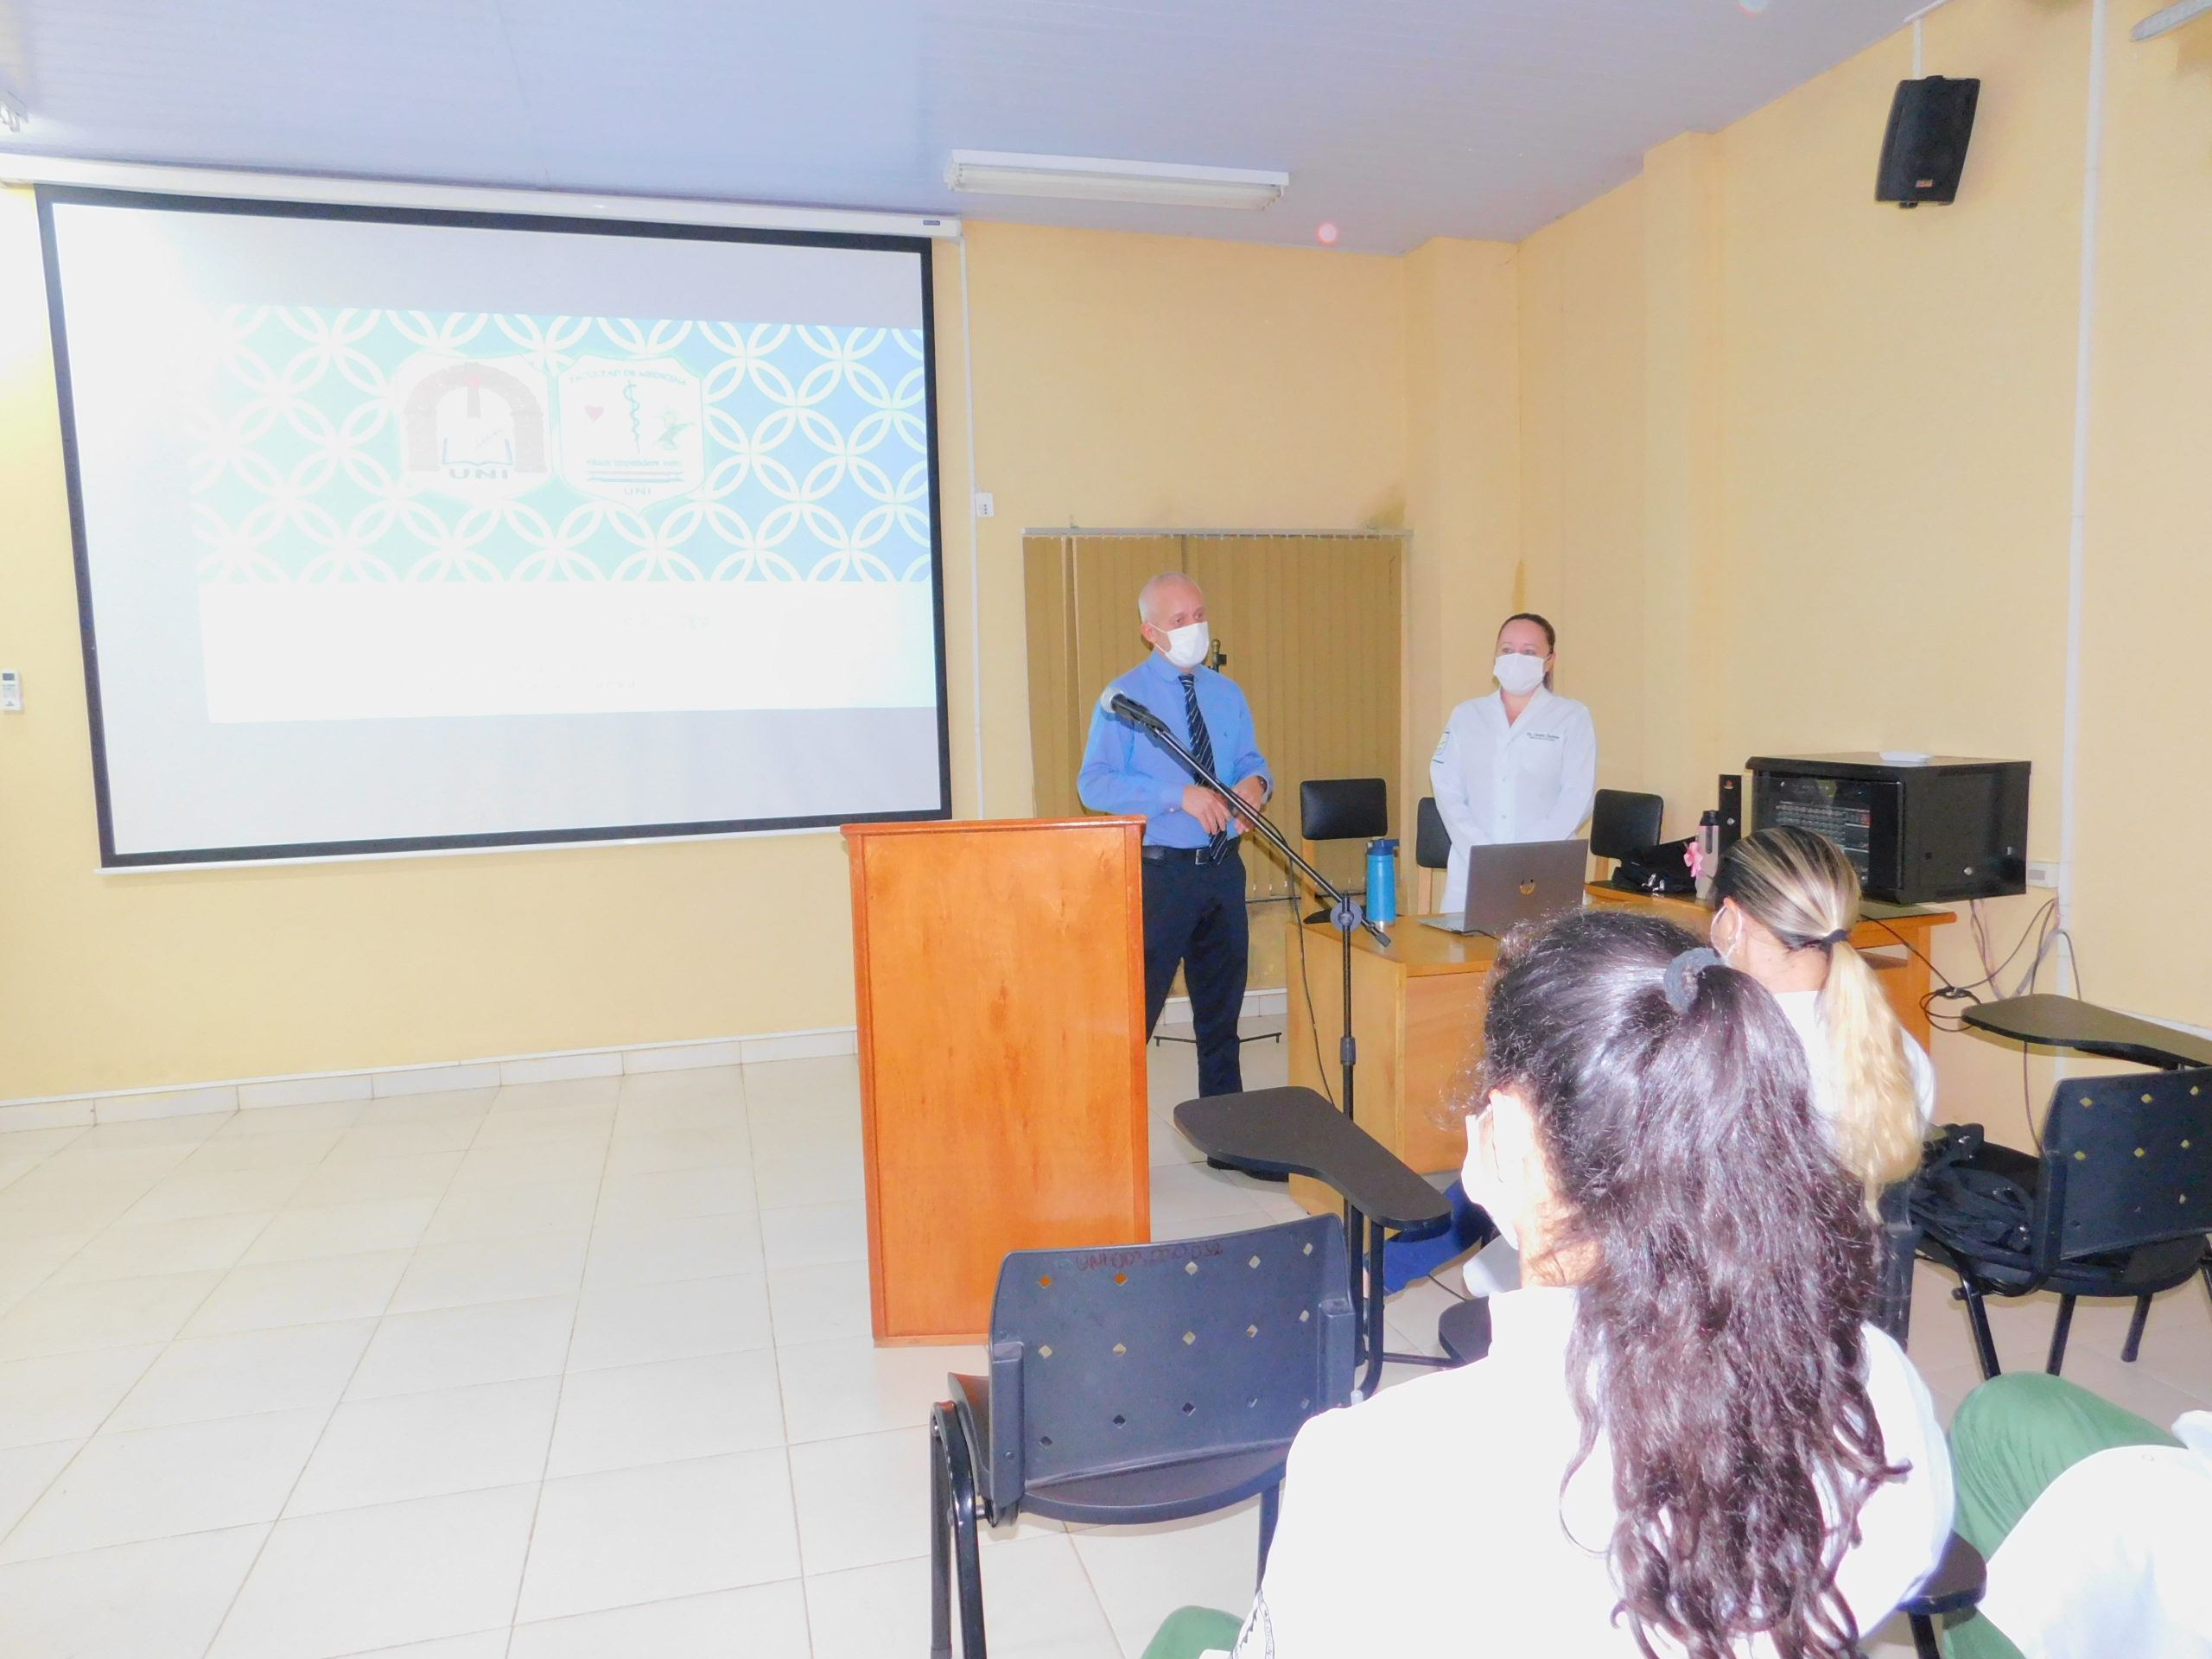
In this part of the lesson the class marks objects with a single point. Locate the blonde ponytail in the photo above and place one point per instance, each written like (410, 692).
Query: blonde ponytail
(1877, 1110)
(1801, 888)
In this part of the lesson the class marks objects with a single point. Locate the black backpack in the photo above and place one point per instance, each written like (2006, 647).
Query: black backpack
(1955, 1200)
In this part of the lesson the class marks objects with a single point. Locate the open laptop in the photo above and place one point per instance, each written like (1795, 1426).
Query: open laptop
(1518, 882)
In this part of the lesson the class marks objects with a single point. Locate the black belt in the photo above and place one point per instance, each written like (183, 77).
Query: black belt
(1191, 854)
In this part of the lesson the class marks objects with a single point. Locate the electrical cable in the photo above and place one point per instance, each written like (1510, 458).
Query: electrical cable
(1949, 990)
(1946, 992)
(1460, 1294)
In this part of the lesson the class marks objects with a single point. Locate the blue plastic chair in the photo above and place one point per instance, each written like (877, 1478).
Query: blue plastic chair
(1133, 1384)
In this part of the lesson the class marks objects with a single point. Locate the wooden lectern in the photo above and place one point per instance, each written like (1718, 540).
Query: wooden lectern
(999, 970)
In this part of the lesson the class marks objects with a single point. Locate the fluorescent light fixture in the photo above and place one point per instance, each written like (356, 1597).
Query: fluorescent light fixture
(1085, 178)
(2161, 22)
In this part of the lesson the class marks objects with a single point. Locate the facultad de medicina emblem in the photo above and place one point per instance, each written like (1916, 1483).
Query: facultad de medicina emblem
(472, 428)
(632, 432)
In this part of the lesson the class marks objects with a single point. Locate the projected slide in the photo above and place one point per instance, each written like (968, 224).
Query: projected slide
(400, 531)
(402, 514)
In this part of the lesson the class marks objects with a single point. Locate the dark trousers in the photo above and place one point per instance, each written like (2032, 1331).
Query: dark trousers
(1194, 916)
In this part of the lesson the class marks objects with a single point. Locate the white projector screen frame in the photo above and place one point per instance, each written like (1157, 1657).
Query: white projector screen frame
(101, 704)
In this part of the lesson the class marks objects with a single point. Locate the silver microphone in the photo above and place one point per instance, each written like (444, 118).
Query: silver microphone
(1124, 707)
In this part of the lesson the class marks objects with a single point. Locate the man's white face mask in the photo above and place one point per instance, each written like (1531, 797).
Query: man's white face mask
(1518, 674)
(1187, 646)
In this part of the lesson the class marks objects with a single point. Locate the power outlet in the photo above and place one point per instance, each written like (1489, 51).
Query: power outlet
(2042, 873)
(987, 505)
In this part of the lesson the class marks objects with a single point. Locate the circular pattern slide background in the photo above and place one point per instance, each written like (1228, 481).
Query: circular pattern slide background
(355, 446)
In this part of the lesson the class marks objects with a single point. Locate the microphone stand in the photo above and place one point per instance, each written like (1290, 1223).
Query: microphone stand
(1349, 917)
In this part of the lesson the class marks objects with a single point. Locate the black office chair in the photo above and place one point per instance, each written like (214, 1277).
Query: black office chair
(1624, 822)
(1900, 1248)
(1341, 809)
(1344, 809)
(2121, 1203)
(1136, 1384)
(1958, 1583)
(1432, 844)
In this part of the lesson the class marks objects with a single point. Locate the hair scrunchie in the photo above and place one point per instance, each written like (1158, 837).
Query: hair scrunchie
(1681, 972)
(1834, 938)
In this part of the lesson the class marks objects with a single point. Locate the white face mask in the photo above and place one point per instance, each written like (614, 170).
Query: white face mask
(1485, 1184)
(1518, 674)
(1187, 646)
(1728, 950)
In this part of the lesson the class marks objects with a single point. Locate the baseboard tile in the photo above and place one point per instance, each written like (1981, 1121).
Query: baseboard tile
(316, 1089)
(684, 1057)
(1258, 1005)
(169, 1102)
(437, 1079)
(48, 1115)
(561, 1068)
(322, 1089)
(803, 1045)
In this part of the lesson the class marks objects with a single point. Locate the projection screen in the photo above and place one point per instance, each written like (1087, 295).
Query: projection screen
(405, 531)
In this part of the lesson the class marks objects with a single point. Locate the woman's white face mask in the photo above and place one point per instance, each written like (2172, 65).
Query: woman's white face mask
(1726, 933)
(1495, 1174)
(1518, 674)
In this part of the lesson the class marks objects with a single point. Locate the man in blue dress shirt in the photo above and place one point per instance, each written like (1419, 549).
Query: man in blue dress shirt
(1193, 874)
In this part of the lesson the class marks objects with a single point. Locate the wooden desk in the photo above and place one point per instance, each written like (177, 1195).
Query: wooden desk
(1417, 1012)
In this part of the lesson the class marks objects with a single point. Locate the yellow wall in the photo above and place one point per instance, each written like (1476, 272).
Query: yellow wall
(2142, 902)
(1120, 380)
(1797, 467)
(1165, 382)
(1463, 355)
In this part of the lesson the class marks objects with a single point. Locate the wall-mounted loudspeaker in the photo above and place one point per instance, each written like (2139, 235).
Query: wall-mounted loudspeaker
(1924, 151)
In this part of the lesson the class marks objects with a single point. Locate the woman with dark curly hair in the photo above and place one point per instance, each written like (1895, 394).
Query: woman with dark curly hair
(1685, 1440)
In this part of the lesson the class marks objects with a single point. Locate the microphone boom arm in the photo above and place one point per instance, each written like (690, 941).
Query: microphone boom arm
(1340, 900)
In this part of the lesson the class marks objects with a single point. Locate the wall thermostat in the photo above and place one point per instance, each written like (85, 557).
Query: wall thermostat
(11, 692)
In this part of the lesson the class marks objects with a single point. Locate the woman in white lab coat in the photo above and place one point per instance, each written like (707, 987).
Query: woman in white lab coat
(1518, 764)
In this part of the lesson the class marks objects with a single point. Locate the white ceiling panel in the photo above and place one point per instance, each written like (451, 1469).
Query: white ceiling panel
(1397, 119)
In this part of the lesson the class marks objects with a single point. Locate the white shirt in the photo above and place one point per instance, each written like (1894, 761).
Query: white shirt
(2110, 1559)
(1804, 1008)
(1497, 782)
(1429, 1520)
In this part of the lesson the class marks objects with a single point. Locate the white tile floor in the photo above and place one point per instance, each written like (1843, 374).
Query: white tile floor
(571, 1370)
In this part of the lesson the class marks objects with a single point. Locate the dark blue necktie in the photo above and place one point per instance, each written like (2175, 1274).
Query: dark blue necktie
(1202, 746)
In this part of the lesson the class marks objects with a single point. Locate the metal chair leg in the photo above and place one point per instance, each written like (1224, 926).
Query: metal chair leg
(1375, 1308)
(1985, 1345)
(960, 1517)
(1924, 1645)
(2058, 1330)
(940, 1538)
(2135, 1328)
(1270, 1506)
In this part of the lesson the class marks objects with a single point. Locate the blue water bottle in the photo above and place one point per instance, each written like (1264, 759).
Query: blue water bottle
(1382, 882)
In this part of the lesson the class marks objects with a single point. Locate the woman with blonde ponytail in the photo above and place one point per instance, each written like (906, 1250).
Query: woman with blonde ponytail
(1787, 901)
